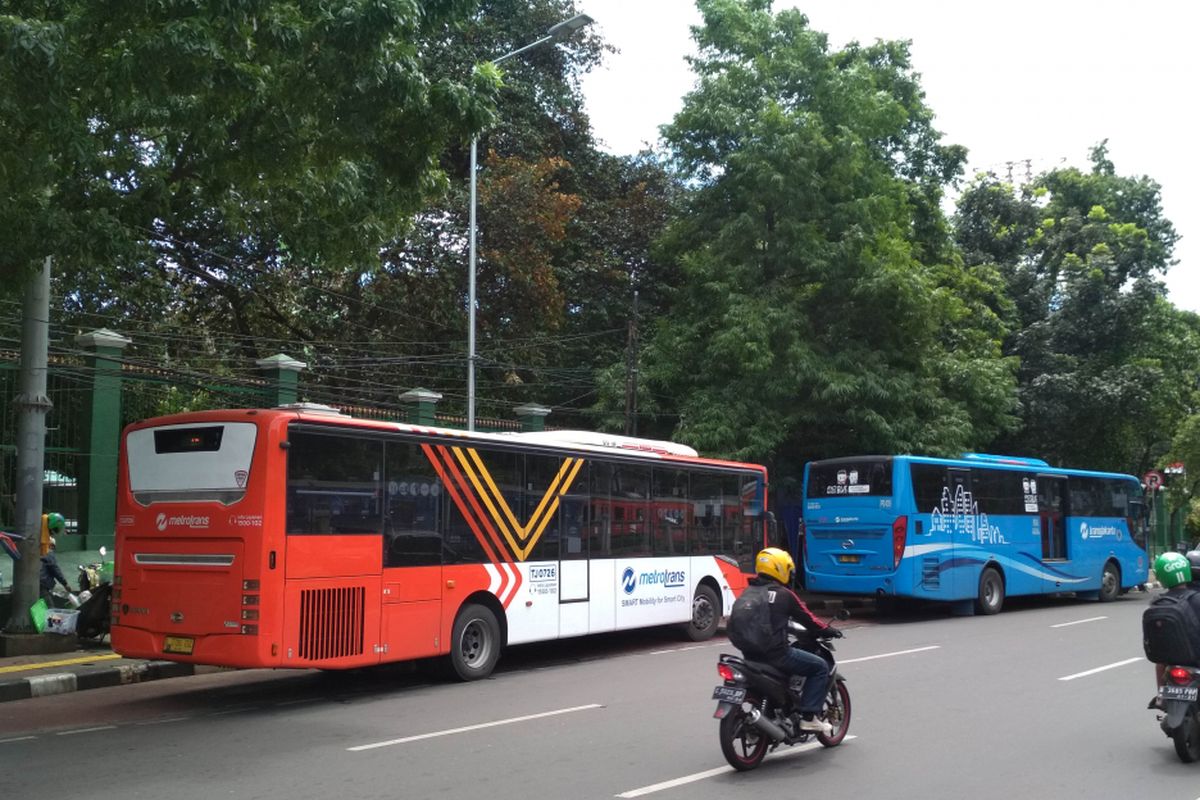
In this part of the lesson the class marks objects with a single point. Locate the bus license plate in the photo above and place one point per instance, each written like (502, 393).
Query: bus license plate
(1188, 693)
(729, 694)
(179, 644)
(849, 559)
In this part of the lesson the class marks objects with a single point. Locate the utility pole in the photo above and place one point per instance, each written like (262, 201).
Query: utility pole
(631, 372)
(31, 405)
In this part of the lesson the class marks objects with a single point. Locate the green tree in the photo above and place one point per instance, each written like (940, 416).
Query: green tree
(823, 308)
(1108, 366)
(182, 159)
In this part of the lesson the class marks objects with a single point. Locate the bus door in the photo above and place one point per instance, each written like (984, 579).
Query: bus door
(573, 568)
(1052, 517)
(414, 512)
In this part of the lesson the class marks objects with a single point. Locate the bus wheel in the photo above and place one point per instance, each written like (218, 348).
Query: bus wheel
(1110, 583)
(706, 614)
(991, 592)
(475, 643)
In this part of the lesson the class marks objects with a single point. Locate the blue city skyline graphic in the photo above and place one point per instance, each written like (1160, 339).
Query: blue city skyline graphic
(959, 514)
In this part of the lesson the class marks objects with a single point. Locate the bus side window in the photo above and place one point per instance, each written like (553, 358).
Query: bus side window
(413, 512)
(334, 484)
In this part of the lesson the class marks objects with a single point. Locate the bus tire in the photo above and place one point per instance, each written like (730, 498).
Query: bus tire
(991, 592)
(706, 614)
(1110, 583)
(474, 643)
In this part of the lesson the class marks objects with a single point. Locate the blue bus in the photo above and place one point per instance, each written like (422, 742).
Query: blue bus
(974, 529)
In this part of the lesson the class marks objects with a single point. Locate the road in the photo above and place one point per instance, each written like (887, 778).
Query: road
(1045, 700)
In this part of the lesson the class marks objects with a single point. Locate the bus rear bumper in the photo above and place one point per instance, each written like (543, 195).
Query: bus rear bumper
(224, 651)
(871, 585)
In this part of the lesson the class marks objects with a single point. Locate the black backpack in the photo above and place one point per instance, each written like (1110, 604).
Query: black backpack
(749, 625)
(1171, 630)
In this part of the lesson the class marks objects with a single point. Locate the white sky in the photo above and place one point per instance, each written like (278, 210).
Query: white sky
(1014, 81)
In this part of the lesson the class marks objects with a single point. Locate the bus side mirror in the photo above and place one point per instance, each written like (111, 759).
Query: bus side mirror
(773, 537)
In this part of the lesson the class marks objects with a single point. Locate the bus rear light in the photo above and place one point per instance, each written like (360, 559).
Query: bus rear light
(899, 532)
(249, 599)
(250, 586)
(250, 630)
(249, 613)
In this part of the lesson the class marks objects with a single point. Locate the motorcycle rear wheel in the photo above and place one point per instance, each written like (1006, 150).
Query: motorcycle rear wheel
(837, 714)
(743, 745)
(1187, 739)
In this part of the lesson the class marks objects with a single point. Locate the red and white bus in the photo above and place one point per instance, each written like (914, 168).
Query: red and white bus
(302, 537)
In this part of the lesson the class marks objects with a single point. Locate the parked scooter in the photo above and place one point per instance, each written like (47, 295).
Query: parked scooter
(95, 599)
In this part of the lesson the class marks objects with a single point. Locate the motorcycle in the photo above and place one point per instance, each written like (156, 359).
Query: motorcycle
(95, 600)
(756, 704)
(1179, 698)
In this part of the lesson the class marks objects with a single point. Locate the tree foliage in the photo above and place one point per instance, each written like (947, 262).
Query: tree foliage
(1108, 366)
(824, 309)
(296, 130)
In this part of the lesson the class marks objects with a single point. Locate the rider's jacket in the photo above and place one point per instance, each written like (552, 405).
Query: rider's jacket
(784, 605)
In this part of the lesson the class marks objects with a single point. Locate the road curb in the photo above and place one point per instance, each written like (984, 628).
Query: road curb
(64, 682)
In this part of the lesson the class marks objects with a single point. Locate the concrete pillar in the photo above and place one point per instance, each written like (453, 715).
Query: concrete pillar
(283, 378)
(423, 403)
(532, 416)
(102, 436)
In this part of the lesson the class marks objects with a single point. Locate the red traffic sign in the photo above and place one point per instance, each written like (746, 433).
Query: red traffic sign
(1152, 479)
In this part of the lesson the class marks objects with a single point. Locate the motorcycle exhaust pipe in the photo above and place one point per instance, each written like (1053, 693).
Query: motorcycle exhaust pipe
(756, 718)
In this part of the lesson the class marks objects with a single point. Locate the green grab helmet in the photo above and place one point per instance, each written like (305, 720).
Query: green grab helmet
(1172, 569)
(55, 523)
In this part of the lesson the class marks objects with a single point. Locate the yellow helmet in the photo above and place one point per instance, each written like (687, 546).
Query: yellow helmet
(775, 563)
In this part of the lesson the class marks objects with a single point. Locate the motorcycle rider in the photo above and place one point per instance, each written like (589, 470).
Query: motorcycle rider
(775, 571)
(1178, 573)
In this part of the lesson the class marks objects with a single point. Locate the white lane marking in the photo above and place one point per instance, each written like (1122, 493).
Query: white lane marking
(162, 721)
(17, 739)
(467, 728)
(889, 655)
(1101, 669)
(681, 649)
(87, 730)
(709, 773)
(1078, 622)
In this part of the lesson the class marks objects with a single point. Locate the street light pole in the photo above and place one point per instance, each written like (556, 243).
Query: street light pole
(555, 34)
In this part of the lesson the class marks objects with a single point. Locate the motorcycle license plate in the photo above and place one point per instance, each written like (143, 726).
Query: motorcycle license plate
(179, 644)
(729, 694)
(1188, 693)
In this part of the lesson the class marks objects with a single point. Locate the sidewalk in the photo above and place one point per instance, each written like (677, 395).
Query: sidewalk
(90, 666)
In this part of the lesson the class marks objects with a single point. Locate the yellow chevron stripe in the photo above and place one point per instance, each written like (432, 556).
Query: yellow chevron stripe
(486, 497)
(516, 533)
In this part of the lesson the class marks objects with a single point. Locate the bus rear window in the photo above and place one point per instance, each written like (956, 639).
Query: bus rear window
(188, 440)
(190, 463)
(861, 477)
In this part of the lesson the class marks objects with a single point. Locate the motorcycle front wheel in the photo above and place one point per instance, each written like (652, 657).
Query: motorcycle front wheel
(1187, 739)
(743, 745)
(837, 714)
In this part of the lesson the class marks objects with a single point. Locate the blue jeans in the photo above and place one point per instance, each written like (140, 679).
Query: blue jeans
(816, 674)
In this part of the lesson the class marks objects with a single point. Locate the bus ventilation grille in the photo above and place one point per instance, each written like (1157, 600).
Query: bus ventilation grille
(931, 576)
(331, 623)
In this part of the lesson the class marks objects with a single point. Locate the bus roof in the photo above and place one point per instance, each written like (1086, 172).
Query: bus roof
(976, 460)
(574, 440)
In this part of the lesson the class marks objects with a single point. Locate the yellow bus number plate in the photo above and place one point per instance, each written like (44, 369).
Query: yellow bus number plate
(848, 559)
(178, 644)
